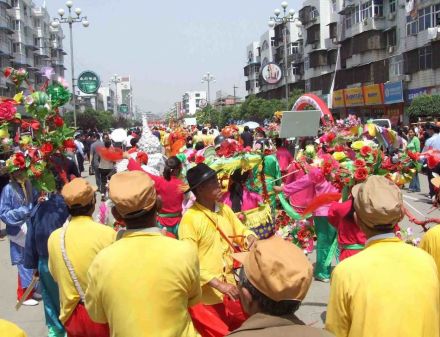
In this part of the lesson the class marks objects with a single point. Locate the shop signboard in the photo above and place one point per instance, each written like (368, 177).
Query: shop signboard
(373, 94)
(393, 92)
(89, 82)
(271, 73)
(353, 97)
(338, 99)
(413, 93)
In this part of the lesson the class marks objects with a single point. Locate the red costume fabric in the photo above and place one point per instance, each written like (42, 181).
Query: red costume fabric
(284, 158)
(170, 192)
(349, 232)
(79, 324)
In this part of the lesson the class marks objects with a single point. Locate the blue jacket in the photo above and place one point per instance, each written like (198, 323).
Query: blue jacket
(45, 218)
(14, 209)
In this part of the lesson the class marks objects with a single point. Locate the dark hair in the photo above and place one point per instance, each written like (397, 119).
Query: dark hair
(278, 142)
(107, 143)
(189, 142)
(199, 146)
(267, 305)
(204, 131)
(133, 142)
(236, 189)
(246, 128)
(83, 210)
(172, 166)
(140, 221)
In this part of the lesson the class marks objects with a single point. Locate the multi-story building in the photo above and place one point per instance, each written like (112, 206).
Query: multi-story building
(191, 101)
(26, 41)
(125, 93)
(108, 98)
(252, 68)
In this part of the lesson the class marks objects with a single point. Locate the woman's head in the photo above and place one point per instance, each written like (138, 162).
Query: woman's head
(173, 166)
(411, 133)
(107, 143)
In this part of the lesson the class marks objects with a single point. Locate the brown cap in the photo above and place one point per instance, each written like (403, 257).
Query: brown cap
(278, 269)
(378, 202)
(132, 192)
(78, 193)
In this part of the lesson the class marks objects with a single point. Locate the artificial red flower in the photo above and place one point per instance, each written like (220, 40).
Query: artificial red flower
(330, 137)
(339, 148)
(46, 149)
(199, 159)
(413, 155)
(69, 144)
(7, 72)
(7, 110)
(19, 160)
(34, 124)
(359, 163)
(142, 158)
(361, 174)
(58, 121)
(327, 168)
(365, 150)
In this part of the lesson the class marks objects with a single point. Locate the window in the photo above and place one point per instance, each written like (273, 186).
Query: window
(378, 8)
(436, 15)
(411, 26)
(396, 65)
(14, 3)
(197, 95)
(425, 18)
(314, 13)
(16, 25)
(258, 51)
(333, 6)
(250, 56)
(392, 6)
(306, 63)
(425, 58)
(265, 45)
(366, 11)
(391, 37)
(257, 84)
(293, 49)
(356, 14)
(347, 20)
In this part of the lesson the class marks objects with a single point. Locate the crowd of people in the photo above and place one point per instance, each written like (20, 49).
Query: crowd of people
(197, 247)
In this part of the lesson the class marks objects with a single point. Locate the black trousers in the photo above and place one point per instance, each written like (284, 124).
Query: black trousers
(103, 173)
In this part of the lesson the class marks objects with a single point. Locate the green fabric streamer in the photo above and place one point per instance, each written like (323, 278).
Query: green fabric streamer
(288, 208)
(332, 252)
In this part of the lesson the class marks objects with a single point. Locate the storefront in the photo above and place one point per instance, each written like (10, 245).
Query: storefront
(370, 102)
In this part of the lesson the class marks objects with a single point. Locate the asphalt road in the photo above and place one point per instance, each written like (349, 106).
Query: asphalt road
(312, 311)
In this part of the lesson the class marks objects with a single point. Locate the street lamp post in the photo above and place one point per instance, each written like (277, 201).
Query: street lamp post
(70, 20)
(115, 80)
(288, 16)
(208, 78)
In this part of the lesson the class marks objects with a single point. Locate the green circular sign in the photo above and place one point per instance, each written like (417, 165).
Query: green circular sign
(123, 108)
(89, 82)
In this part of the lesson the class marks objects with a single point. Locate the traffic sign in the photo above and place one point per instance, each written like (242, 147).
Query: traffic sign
(203, 103)
(123, 108)
(89, 82)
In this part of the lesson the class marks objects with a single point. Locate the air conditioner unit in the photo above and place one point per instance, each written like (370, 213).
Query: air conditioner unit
(391, 49)
(315, 45)
(407, 78)
(334, 40)
(365, 22)
(391, 16)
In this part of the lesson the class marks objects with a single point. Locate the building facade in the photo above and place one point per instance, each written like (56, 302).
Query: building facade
(124, 95)
(192, 101)
(370, 58)
(108, 98)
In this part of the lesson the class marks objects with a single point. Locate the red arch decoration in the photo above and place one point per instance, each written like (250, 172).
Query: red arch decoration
(317, 103)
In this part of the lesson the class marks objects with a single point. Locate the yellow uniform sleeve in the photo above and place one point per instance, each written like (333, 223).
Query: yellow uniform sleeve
(94, 304)
(338, 319)
(195, 291)
(425, 244)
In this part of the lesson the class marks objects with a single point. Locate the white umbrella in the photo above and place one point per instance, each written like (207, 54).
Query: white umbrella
(119, 135)
(251, 125)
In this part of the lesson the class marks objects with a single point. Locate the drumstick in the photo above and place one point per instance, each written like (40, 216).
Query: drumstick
(284, 176)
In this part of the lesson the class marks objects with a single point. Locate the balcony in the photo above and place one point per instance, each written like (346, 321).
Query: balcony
(7, 3)
(348, 5)
(5, 48)
(376, 23)
(6, 25)
(330, 43)
(20, 59)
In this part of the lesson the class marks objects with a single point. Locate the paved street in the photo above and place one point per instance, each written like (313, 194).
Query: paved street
(31, 319)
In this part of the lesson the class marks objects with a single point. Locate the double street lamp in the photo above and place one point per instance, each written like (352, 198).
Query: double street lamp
(208, 78)
(115, 80)
(287, 17)
(70, 19)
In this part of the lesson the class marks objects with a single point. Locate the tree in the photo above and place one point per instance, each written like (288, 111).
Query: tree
(425, 105)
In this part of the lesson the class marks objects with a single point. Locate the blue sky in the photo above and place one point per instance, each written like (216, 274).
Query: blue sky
(167, 46)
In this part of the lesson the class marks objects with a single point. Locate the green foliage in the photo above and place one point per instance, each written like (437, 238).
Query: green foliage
(102, 120)
(425, 105)
(253, 108)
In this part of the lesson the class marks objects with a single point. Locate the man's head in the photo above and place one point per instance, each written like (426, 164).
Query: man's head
(134, 198)
(275, 277)
(378, 205)
(246, 128)
(133, 142)
(203, 183)
(79, 197)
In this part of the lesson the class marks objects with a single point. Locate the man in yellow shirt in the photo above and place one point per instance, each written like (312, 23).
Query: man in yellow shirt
(144, 283)
(390, 288)
(431, 240)
(72, 249)
(213, 228)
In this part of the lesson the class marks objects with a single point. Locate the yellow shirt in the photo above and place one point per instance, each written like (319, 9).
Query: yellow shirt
(84, 239)
(8, 329)
(431, 244)
(388, 289)
(143, 284)
(214, 252)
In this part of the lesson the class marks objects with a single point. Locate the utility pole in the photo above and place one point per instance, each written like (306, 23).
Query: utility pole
(235, 99)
